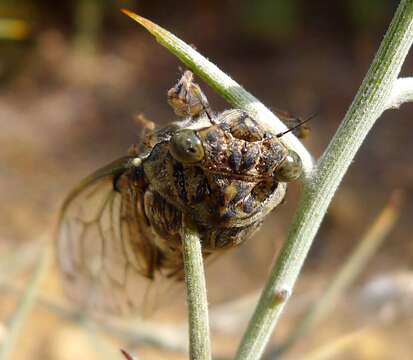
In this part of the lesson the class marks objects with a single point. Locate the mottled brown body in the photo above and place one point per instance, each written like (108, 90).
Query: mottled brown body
(220, 170)
(227, 193)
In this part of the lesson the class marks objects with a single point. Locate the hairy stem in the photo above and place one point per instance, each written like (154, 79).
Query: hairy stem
(370, 101)
(199, 347)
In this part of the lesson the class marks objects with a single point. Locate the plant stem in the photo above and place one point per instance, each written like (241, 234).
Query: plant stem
(369, 103)
(200, 348)
(356, 262)
(23, 308)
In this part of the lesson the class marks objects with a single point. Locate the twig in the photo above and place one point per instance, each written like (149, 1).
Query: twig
(229, 89)
(23, 308)
(367, 247)
(200, 348)
(369, 103)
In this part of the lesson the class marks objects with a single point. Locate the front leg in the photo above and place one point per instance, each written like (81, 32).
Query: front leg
(187, 99)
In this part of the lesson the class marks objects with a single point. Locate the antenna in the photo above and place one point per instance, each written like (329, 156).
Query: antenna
(312, 116)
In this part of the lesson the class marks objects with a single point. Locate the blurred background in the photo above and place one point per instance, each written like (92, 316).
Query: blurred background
(74, 74)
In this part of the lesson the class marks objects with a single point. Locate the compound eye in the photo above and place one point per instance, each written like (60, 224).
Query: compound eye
(290, 169)
(185, 146)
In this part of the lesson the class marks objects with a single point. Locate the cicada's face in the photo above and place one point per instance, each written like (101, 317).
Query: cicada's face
(224, 174)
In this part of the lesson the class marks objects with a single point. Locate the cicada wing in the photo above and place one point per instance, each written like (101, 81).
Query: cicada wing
(104, 252)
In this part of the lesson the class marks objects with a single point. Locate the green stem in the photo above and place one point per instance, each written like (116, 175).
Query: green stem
(367, 106)
(348, 273)
(200, 348)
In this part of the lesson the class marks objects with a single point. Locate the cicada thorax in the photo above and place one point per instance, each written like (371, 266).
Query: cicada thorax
(237, 145)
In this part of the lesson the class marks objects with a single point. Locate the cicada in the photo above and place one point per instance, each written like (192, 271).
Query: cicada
(121, 227)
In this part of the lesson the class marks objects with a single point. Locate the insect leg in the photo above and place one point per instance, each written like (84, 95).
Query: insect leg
(187, 99)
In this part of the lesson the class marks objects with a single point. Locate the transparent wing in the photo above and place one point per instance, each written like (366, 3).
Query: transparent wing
(104, 249)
